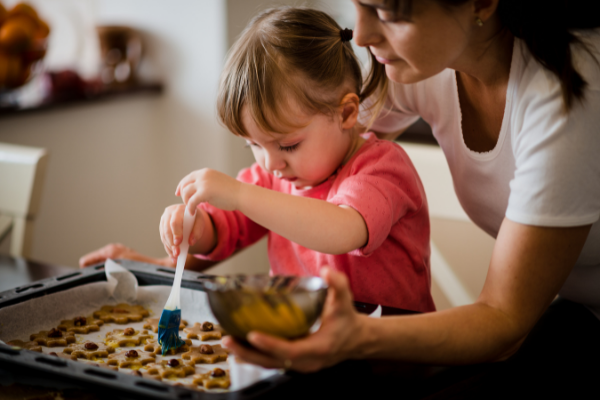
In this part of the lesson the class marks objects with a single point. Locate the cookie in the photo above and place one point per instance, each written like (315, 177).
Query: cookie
(217, 378)
(130, 359)
(204, 331)
(89, 350)
(205, 354)
(127, 337)
(103, 365)
(152, 323)
(62, 355)
(172, 368)
(121, 313)
(145, 374)
(80, 325)
(33, 346)
(154, 347)
(53, 338)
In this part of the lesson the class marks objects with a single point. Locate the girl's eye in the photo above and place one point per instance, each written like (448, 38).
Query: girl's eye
(289, 148)
(248, 144)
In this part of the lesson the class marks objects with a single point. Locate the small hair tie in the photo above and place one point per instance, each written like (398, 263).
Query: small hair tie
(346, 34)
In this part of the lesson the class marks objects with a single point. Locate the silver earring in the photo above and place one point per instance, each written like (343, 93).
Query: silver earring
(478, 21)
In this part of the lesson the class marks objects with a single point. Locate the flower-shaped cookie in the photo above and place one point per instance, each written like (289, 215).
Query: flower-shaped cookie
(205, 354)
(152, 323)
(121, 313)
(217, 378)
(153, 347)
(33, 346)
(146, 374)
(127, 337)
(81, 325)
(53, 338)
(130, 359)
(170, 369)
(103, 365)
(204, 331)
(89, 350)
(63, 355)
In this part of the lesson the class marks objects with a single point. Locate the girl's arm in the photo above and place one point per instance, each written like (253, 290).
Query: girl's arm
(528, 267)
(314, 224)
(117, 250)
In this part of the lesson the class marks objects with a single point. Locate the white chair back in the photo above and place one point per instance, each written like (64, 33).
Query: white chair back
(22, 170)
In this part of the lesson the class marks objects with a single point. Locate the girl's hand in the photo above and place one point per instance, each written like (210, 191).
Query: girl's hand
(336, 340)
(117, 250)
(171, 229)
(210, 186)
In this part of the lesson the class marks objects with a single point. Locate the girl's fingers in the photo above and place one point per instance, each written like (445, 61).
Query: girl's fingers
(197, 228)
(176, 227)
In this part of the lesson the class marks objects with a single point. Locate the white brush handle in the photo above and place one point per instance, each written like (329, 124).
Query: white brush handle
(188, 223)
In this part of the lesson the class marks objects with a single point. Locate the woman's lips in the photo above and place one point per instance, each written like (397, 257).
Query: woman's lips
(383, 60)
(290, 179)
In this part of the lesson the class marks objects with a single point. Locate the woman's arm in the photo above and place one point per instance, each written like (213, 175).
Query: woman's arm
(528, 267)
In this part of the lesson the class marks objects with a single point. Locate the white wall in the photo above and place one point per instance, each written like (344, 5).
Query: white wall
(114, 166)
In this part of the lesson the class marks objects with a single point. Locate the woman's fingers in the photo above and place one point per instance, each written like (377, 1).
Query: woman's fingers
(250, 355)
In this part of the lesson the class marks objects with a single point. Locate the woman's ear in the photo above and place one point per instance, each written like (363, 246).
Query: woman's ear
(350, 107)
(484, 9)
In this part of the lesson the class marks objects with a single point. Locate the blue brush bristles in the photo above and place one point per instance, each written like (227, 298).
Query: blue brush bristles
(168, 330)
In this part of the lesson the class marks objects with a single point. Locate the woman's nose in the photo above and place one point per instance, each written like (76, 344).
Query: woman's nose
(365, 30)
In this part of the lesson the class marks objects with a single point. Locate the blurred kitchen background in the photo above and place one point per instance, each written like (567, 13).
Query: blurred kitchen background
(124, 102)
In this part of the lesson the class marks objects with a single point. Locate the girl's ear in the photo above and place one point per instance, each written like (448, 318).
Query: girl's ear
(350, 107)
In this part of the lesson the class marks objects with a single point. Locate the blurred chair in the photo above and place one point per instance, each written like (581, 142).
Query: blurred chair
(22, 171)
(433, 169)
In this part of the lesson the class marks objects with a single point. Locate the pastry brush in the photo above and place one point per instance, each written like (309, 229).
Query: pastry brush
(170, 319)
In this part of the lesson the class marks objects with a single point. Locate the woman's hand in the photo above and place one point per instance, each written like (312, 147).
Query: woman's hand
(210, 186)
(117, 250)
(336, 339)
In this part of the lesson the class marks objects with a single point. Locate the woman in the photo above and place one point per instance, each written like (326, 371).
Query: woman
(517, 120)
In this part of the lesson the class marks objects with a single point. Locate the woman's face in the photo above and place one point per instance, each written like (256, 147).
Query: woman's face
(435, 37)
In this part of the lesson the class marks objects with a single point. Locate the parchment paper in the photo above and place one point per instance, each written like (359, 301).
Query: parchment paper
(21, 320)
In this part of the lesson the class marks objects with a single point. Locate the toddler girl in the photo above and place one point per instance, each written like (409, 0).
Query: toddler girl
(324, 194)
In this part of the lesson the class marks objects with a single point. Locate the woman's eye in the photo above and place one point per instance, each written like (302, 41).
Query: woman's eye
(289, 148)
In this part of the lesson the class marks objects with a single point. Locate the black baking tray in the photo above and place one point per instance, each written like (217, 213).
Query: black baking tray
(119, 385)
(107, 382)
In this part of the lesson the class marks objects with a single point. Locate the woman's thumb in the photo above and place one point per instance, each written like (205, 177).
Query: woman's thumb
(338, 284)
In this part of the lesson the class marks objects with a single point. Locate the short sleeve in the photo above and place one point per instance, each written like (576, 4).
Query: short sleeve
(383, 187)
(557, 157)
(234, 230)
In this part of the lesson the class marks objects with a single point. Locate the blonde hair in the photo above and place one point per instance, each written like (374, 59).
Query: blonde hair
(286, 55)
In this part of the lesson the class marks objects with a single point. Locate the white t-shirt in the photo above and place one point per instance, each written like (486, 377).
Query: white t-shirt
(545, 167)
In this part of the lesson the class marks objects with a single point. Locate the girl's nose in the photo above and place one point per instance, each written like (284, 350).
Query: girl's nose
(274, 162)
(365, 29)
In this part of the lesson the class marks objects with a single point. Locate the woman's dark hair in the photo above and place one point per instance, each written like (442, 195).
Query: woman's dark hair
(546, 27)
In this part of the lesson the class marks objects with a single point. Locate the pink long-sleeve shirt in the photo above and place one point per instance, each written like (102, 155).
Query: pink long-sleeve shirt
(379, 182)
